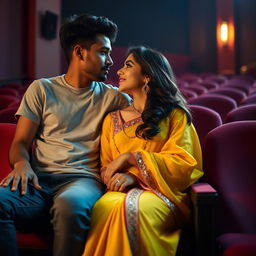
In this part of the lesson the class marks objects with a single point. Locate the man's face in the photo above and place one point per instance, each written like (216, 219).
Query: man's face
(97, 59)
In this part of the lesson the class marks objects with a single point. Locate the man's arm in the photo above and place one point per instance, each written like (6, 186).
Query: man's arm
(19, 156)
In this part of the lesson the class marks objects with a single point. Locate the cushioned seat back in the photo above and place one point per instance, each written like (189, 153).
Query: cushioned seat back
(233, 93)
(6, 100)
(230, 167)
(204, 120)
(249, 100)
(8, 115)
(6, 136)
(247, 112)
(219, 103)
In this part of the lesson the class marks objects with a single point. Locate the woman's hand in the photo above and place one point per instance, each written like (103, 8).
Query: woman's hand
(120, 181)
(120, 164)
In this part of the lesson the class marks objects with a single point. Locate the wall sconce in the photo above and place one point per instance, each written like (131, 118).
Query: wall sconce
(224, 32)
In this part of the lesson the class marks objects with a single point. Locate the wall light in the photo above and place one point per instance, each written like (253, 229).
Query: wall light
(224, 32)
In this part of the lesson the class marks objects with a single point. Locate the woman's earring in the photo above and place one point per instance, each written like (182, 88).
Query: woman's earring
(146, 88)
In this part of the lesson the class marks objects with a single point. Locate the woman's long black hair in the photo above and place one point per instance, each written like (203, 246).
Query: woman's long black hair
(163, 95)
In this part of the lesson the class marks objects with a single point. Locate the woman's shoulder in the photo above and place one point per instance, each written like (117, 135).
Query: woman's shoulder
(177, 113)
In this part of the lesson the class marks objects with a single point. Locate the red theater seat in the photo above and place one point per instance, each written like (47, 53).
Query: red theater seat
(229, 163)
(220, 79)
(8, 115)
(249, 100)
(208, 85)
(204, 120)
(233, 93)
(9, 91)
(238, 244)
(6, 100)
(219, 103)
(188, 94)
(197, 88)
(244, 87)
(242, 113)
(29, 243)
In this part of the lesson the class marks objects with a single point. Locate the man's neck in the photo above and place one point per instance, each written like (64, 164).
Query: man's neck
(76, 79)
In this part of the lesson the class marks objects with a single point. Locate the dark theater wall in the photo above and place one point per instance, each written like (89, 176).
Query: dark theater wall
(202, 35)
(245, 19)
(11, 31)
(159, 24)
(184, 27)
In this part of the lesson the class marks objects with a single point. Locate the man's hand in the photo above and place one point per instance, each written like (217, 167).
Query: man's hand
(21, 173)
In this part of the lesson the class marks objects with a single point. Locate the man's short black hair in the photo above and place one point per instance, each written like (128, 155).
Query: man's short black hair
(83, 30)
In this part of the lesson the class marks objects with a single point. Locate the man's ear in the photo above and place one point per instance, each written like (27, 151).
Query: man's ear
(78, 51)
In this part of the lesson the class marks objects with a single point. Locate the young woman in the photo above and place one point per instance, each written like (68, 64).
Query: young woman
(150, 155)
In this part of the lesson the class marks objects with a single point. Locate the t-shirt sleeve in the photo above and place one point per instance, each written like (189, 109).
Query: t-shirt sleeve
(32, 103)
(121, 99)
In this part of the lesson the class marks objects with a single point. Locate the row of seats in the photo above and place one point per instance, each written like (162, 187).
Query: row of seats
(219, 93)
(228, 154)
(229, 157)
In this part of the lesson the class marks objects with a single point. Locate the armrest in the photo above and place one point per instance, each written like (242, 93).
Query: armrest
(204, 200)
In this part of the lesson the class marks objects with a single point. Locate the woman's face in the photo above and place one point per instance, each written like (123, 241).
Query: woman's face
(130, 77)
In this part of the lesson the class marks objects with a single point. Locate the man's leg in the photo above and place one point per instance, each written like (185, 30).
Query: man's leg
(19, 211)
(71, 213)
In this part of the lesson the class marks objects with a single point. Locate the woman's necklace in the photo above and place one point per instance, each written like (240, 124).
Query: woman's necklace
(136, 110)
(128, 136)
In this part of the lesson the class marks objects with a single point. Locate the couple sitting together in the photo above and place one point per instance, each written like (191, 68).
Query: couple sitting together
(110, 174)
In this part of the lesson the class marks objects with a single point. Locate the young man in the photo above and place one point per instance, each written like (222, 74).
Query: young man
(62, 116)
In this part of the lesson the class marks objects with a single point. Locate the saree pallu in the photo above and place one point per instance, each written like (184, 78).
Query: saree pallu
(146, 220)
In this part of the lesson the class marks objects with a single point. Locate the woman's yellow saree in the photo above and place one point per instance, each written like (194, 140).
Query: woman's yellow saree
(146, 220)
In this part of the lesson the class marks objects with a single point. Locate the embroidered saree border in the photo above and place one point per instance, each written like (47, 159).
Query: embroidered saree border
(149, 179)
(132, 218)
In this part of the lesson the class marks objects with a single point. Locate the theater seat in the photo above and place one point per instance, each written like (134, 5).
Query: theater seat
(233, 93)
(238, 244)
(220, 79)
(220, 103)
(30, 244)
(230, 166)
(197, 88)
(249, 100)
(242, 113)
(8, 115)
(6, 100)
(204, 120)
(188, 94)
(242, 86)
(9, 91)
(208, 84)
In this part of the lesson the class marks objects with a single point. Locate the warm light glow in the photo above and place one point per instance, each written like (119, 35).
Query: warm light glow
(224, 32)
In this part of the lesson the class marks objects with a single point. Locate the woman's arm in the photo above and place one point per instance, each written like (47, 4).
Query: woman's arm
(113, 174)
